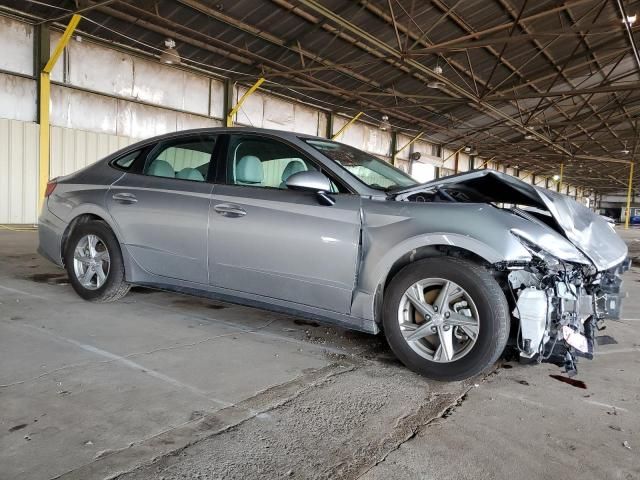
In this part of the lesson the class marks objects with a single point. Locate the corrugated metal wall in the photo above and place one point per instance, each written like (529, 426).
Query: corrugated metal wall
(70, 150)
(18, 171)
(73, 149)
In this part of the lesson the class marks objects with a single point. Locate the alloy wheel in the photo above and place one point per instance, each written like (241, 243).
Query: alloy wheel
(91, 262)
(438, 320)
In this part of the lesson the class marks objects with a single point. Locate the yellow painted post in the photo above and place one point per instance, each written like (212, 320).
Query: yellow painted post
(405, 146)
(45, 96)
(246, 95)
(629, 192)
(347, 125)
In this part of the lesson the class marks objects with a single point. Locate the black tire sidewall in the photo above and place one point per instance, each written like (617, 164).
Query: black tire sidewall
(116, 268)
(489, 299)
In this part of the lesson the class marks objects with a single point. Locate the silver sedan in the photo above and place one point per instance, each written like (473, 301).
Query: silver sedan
(316, 228)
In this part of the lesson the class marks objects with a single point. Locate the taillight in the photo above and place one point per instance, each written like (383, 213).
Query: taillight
(51, 186)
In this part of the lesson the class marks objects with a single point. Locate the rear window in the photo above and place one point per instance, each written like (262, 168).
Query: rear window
(125, 162)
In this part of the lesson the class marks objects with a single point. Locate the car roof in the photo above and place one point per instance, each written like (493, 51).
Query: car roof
(277, 133)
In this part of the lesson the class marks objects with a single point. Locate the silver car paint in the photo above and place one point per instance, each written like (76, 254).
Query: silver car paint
(288, 253)
(588, 231)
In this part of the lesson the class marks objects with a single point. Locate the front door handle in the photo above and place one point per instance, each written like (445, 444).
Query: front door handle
(230, 210)
(126, 198)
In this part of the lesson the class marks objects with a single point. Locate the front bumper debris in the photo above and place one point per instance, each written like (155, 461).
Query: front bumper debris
(563, 310)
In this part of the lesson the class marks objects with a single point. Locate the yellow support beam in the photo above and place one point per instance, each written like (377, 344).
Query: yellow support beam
(45, 98)
(347, 125)
(405, 146)
(629, 192)
(246, 95)
(483, 164)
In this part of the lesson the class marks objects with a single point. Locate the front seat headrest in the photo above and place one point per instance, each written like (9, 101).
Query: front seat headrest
(161, 168)
(249, 170)
(190, 174)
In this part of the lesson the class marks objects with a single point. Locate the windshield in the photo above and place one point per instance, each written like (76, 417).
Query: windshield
(368, 169)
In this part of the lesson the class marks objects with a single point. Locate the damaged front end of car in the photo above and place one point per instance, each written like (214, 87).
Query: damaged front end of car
(572, 281)
(560, 306)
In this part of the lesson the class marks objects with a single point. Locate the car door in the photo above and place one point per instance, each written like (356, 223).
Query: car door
(161, 207)
(279, 243)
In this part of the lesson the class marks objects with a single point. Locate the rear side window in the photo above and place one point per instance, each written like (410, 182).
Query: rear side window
(124, 163)
(185, 159)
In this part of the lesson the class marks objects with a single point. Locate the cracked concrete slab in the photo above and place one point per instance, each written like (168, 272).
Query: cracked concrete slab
(163, 386)
(335, 430)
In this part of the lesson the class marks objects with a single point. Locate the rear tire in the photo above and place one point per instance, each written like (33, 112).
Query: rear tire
(464, 330)
(93, 260)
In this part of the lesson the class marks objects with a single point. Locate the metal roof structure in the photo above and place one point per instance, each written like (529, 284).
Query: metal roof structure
(531, 84)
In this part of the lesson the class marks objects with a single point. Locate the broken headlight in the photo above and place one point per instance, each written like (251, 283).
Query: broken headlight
(553, 250)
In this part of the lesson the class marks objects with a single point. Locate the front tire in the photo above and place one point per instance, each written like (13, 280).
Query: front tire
(93, 260)
(446, 318)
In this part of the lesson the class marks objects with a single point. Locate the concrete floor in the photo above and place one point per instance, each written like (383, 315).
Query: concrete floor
(166, 386)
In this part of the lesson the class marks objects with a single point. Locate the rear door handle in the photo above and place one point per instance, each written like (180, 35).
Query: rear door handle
(230, 210)
(125, 198)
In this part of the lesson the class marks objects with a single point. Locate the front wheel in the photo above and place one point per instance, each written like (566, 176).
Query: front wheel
(94, 263)
(446, 318)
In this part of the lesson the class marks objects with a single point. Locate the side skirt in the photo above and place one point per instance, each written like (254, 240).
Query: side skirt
(266, 303)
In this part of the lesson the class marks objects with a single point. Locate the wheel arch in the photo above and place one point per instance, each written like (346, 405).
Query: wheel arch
(83, 217)
(417, 249)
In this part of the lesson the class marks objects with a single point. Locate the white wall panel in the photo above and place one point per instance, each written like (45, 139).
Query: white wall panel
(195, 96)
(17, 46)
(306, 120)
(217, 99)
(185, 121)
(57, 74)
(17, 98)
(449, 159)
(323, 120)
(463, 162)
(142, 121)
(18, 171)
(99, 68)
(82, 110)
(278, 114)
(402, 140)
(377, 141)
(73, 149)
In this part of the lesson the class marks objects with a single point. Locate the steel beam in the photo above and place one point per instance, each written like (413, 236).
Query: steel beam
(45, 99)
(242, 99)
(629, 191)
(347, 125)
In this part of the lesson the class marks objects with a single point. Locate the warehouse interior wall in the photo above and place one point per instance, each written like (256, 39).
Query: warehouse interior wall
(103, 99)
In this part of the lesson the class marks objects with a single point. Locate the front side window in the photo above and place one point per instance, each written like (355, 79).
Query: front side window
(262, 162)
(370, 170)
(185, 159)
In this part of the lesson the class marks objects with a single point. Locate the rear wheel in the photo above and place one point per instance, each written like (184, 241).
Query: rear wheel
(94, 263)
(446, 318)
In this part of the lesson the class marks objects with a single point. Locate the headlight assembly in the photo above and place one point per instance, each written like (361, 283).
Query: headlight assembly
(551, 249)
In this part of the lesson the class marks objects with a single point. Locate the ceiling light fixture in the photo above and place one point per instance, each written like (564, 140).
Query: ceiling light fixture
(170, 55)
(434, 83)
(384, 124)
(470, 150)
(631, 19)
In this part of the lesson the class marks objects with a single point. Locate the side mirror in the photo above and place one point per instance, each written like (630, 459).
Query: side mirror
(312, 181)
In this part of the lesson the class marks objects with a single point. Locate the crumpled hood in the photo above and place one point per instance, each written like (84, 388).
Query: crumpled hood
(587, 230)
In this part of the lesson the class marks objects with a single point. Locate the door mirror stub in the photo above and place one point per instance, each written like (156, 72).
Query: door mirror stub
(312, 181)
(325, 199)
